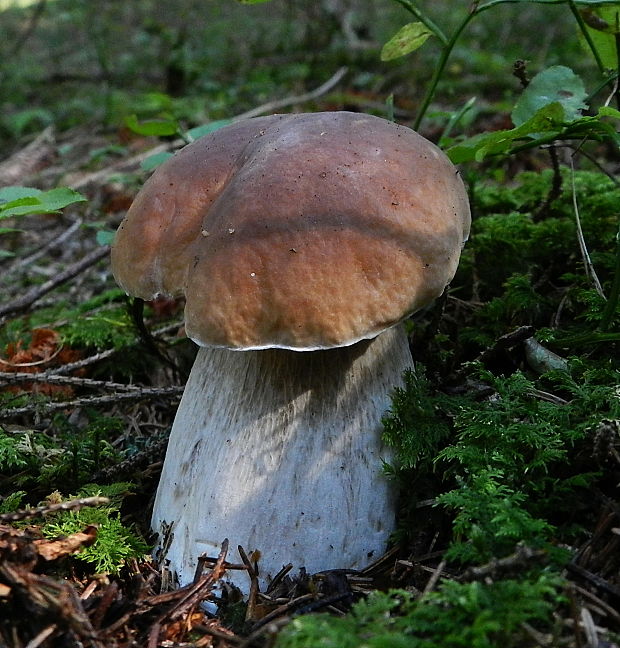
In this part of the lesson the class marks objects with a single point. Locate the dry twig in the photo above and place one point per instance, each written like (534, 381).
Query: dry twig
(70, 505)
(25, 301)
(136, 394)
(17, 378)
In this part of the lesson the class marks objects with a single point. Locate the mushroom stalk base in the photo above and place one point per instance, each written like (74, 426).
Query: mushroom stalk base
(280, 451)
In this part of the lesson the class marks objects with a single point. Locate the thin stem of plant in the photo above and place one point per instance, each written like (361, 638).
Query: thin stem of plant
(443, 60)
(587, 261)
(424, 19)
(586, 35)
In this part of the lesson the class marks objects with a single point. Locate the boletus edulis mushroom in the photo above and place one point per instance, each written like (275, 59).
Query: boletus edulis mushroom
(300, 242)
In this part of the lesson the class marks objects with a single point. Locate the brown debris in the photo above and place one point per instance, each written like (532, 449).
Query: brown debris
(55, 549)
(38, 609)
(36, 156)
(45, 350)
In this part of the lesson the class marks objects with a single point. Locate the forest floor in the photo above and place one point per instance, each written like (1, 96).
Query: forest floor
(506, 439)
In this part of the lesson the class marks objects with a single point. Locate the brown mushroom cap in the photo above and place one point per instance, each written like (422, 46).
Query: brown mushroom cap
(300, 231)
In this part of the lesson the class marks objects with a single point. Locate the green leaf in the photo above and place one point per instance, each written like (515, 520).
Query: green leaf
(33, 201)
(154, 127)
(250, 2)
(602, 25)
(557, 84)
(602, 19)
(8, 194)
(608, 111)
(153, 161)
(205, 129)
(29, 119)
(104, 237)
(407, 39)
(60, 197)
(548, 120)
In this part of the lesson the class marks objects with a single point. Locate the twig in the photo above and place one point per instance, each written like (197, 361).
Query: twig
(133, 162)
(273, 627)
(8, 378)
(506, 342)
(80, 364)
(249, 612)
(432, 581)
(154, 451)
(282, 609)
(24, 302)
(596, 580)
(57, 598)
(197, 592)
(540, 639)
(29, 159)
(27, 31)
(605, 607)
(276, 104)
(277, 579)
(522, 557)
(42, 636)
(43, 249)
(219, 634)
(122, 166)
(70, 505)
(137, 394)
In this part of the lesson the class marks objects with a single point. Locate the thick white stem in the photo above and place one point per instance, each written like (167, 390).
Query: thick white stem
(280, 451)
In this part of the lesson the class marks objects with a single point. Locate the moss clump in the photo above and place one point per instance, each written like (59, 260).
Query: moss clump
(457, 615)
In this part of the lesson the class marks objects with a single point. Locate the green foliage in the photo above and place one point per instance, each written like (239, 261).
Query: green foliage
(70, 457)
(21, 201)
(525, 268)
(100, 323)
(414, 407)
(115, 544)
(153, 127)
(457, 615)
(548, 109)
(12, 502)
(11, 454)
(408, 39)
(556, 84)
(503, 460)
(601, 28)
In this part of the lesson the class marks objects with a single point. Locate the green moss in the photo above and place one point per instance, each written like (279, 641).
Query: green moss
(507, 468)
(115, 544)
(69, 458)
(457, 615)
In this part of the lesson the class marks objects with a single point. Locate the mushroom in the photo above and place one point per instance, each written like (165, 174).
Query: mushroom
(301, 242)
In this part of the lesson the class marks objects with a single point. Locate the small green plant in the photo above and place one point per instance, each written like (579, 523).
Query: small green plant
(115, 543)
(538, 111)
(70, 457)
(12, 502)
